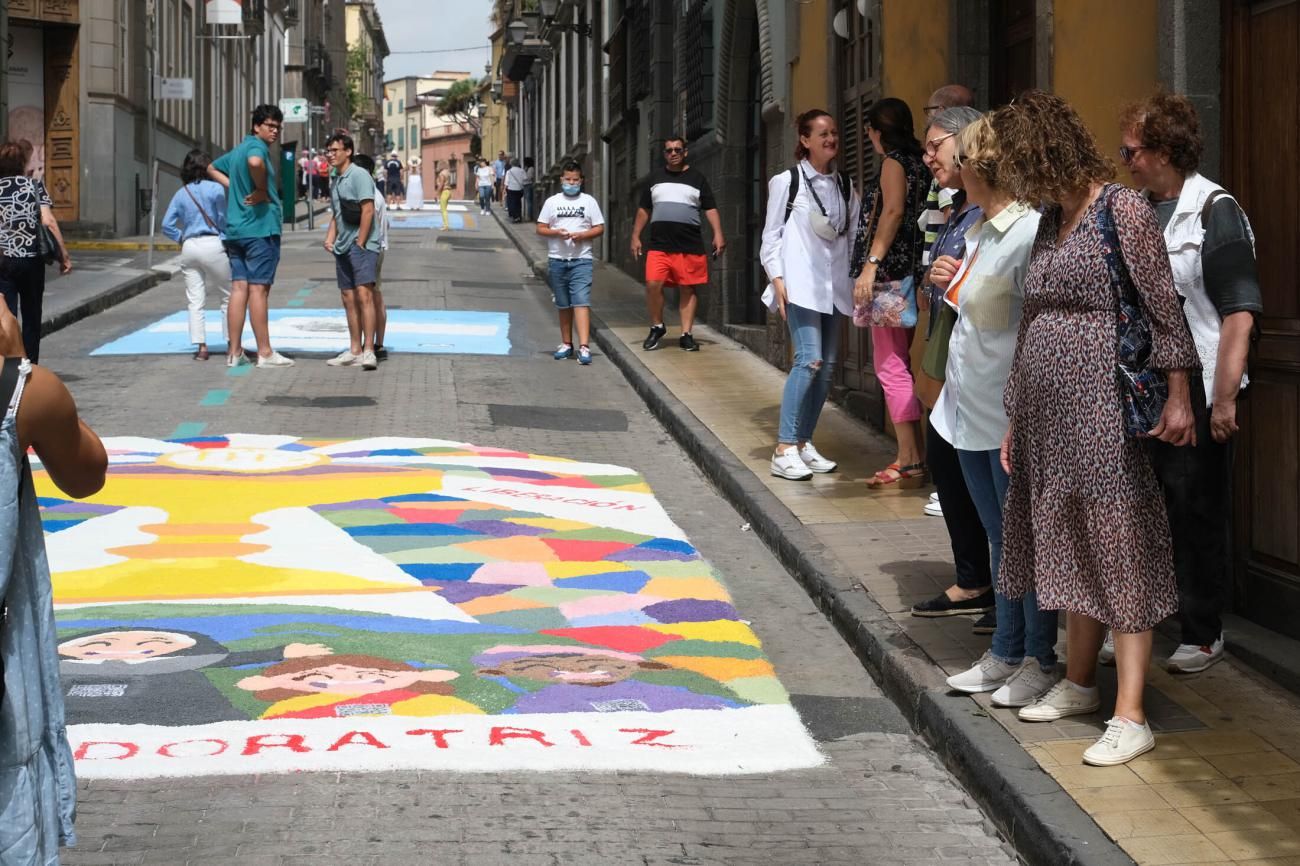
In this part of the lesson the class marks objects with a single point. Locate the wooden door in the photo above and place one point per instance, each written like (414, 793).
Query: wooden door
(62, 122)
(1262, 149)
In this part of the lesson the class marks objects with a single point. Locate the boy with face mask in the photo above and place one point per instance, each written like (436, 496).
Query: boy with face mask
(569, 221)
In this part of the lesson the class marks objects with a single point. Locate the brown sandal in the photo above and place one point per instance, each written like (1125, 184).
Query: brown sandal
(903, 477)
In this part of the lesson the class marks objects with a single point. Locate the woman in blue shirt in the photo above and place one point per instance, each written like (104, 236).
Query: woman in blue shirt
(196, 219)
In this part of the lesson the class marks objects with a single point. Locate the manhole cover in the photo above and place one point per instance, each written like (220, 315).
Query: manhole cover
(484, 284)
(558, 418)
(335, 402)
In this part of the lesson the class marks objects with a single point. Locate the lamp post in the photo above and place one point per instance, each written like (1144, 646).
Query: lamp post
(517, 31)
(549, 8)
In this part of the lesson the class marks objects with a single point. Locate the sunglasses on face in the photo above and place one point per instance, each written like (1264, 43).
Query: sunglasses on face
(674, 150)
(1127, 153)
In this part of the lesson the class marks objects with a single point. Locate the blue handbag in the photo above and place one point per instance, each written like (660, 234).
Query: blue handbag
(1143, 389)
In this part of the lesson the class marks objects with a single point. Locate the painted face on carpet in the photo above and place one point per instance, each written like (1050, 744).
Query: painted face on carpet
(246, 603)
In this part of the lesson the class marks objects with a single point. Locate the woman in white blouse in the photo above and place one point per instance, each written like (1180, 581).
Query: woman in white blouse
(805, 252)
(987, 291)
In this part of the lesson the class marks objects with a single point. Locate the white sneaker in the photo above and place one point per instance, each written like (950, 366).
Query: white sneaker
(275, 359)
(369, 361)
(1122, 742)
(932, 507)
(814, 461)
(986, 675)
(1026, 685)
(1061, 700)
(1107, 654)
(1190, 659)
(786, 464)
(344, 359)
(236, 360)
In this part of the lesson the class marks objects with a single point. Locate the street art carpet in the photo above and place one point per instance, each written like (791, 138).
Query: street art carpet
(465, 332)
(251, 603)
(458, 217)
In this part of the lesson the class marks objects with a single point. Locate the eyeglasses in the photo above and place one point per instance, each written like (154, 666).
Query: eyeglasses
(335, 149)
(1127, 153)
(270, 124)
(932, 109)
(932, 146)
(674, 150)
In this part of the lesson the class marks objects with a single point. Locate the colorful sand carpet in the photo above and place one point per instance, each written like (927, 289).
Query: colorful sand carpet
(250, 603)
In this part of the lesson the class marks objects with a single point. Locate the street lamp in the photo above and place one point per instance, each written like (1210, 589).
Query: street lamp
(517, 31)
(548, 10)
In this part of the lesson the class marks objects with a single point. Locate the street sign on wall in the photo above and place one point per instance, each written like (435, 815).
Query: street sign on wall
(294, 110)
(176, 88)
(224, 11)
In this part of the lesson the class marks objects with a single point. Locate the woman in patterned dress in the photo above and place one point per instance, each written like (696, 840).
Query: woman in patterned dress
(1085, 524)
(888, 248)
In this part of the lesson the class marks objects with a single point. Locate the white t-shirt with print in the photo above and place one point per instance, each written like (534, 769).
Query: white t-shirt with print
(576, 214)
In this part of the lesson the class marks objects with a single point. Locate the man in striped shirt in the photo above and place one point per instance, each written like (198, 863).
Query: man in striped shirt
(672, 201)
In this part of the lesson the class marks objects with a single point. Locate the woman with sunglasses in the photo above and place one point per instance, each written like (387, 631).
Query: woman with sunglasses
(886, 266)
(805, 252)
(1212, 252)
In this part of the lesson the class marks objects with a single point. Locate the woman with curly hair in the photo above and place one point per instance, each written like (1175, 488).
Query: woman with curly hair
(1212, 251)
(886, 266)
(1084, 524)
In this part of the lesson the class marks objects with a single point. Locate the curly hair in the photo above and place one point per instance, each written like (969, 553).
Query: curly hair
(1047, 151)
(978, 151)
(1166, 122)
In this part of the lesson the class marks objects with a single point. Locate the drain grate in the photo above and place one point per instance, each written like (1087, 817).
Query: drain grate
(335, 402)
(558, 418)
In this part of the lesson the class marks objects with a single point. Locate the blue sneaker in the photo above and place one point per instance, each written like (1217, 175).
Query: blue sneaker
(584, 355)
(563, 352)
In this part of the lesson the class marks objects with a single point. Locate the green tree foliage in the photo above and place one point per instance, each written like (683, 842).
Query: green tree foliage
(463, 104)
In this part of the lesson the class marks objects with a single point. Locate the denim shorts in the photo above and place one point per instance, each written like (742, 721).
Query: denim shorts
(357, 266)
(570, 281)
(253, 260)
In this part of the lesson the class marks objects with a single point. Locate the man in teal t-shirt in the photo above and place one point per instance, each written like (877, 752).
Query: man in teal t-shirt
(252, 241)
(355, 245)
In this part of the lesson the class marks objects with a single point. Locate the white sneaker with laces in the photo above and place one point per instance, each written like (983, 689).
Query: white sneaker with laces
(814, 461)
(1122, 742)
(1107, 654)
(275, 359)
(1190, 659)
(344, 359)
(1061, 700)
(236, 360)
(786, 464)
(369, 361)
(985, 675)
(933, 508)
(1025, 686)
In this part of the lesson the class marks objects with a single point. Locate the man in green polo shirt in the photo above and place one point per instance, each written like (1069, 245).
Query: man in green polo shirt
(355, 244)
(252, 241)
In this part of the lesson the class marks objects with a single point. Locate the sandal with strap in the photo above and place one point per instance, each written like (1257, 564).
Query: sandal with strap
(907, 477)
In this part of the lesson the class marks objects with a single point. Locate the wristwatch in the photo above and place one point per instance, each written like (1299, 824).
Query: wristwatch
(875, 260)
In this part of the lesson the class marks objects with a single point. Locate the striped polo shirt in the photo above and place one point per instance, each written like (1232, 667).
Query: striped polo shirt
(676, 201)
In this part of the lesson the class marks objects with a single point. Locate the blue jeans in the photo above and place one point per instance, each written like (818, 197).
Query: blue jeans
(570, 281)
(816, 339)
(1022, 628)
(485, 197)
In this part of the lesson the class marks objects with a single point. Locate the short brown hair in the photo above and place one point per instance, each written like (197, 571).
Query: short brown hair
(13, 159)
(1166, 122)
(1047, 151)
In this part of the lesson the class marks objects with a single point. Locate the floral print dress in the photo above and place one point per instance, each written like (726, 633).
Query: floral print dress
(1084, 521)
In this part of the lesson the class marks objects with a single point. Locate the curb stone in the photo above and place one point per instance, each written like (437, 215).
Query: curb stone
(102, 301)
(1038, 818)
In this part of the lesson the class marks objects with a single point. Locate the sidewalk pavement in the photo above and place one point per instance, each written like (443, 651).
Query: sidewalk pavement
(1222, 785)
(96, 283)
(162, 244)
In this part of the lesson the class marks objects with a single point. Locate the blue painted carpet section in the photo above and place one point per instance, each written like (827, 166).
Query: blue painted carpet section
(461, 332)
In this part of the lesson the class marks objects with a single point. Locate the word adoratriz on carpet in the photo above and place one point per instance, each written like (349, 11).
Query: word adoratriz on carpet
(251, 604)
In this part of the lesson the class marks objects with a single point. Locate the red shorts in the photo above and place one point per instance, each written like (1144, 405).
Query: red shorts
(676, 269)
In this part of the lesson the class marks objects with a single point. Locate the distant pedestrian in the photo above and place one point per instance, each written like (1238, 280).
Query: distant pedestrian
(485, 176)
(1212, 253)
(515, 179)
(382, 225)
(569, 221)
(25, 207)
(886, 266)
(353, 240)
(38, 789)
(393, 179)
(672, 202)
(322, 177)
(414, 185)
(499, 167)
(253, 226)
(305, 163)
(196, 219)
(442, 192)
(1085, 524)
(530, 186)
(810, 210)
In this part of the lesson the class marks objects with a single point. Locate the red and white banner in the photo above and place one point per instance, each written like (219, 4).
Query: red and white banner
(224, 11)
